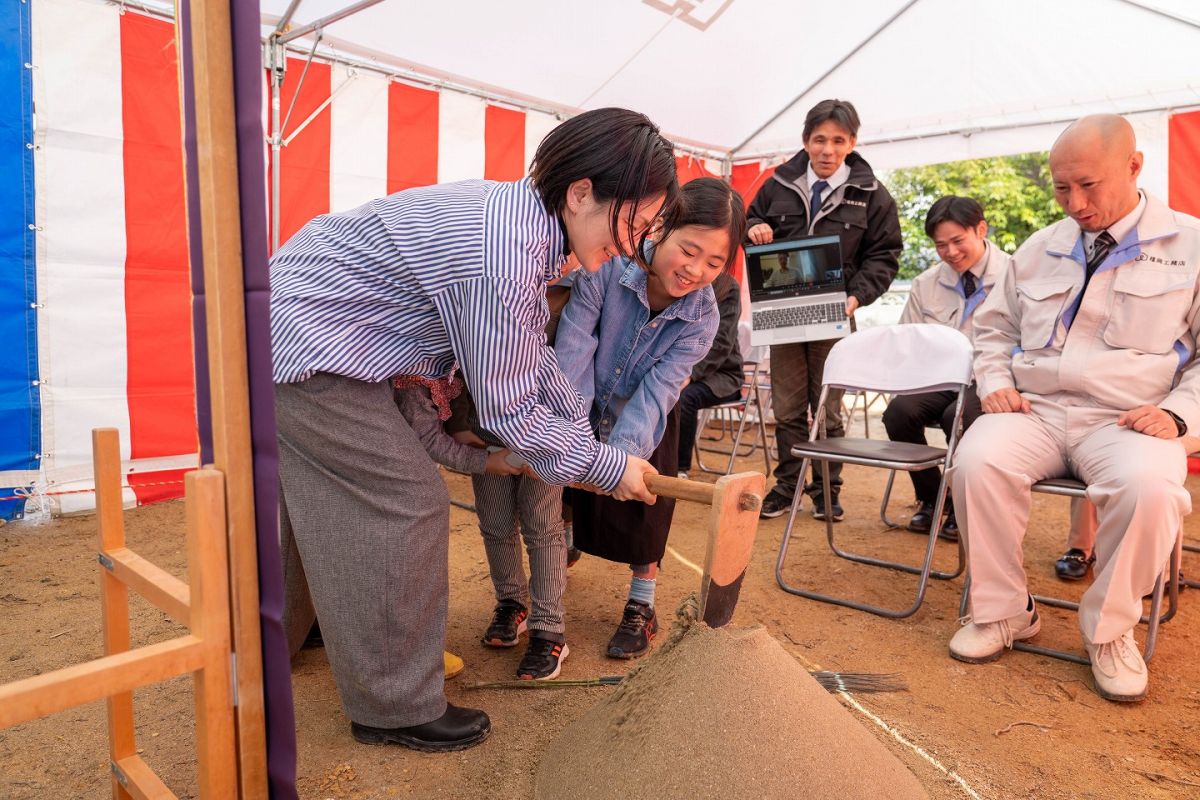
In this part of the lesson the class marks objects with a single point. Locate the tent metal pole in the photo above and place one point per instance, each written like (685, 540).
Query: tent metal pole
(286, 19)
(304, 30)
(1008, 126)
(277, 58)
(823, 76)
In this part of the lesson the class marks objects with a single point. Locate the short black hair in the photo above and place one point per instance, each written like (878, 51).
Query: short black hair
(840, 111)
(964, 211)
(712, 203)
(624, 155)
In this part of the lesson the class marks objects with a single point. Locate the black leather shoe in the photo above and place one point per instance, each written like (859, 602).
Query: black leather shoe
(921, 521)
(1073, 564)
(457, 729)
(949, 531)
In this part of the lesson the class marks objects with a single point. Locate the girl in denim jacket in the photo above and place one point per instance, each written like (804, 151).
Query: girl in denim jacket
(627, 341)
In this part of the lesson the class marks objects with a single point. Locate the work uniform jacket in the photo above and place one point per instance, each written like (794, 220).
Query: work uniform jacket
(937, 294)
(860, 212)
(1130, 342)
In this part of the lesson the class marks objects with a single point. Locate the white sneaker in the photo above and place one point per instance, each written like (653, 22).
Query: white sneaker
(981, 643)
(1119, 669)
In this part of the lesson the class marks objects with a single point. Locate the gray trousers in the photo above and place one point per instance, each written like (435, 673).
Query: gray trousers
(364, 530)
(505, 503)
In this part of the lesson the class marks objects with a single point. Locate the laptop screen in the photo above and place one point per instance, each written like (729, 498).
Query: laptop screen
(795, 268)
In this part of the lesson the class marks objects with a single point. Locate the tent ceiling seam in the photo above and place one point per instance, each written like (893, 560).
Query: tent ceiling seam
(1162, 13)
(857, 49)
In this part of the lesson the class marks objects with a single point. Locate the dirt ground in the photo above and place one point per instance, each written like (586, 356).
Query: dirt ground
(1023, 727)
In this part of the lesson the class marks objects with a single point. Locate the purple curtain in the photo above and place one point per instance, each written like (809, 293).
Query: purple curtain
(248, 89)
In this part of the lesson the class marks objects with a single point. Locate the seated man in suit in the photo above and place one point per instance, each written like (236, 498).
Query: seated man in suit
(1085, 363)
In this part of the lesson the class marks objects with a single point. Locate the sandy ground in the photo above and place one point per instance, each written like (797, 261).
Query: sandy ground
(1025, 726)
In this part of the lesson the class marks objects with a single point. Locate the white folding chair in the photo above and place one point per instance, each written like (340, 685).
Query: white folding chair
(894, 359)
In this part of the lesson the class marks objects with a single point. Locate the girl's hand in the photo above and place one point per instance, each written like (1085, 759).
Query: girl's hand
(498, 464)
(633, 481)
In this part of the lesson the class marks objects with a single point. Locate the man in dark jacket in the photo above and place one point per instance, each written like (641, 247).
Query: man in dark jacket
(825, 189)
(717, 378)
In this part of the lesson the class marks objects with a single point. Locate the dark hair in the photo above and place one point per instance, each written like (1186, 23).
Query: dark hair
(712, 203)
(840, 111)
(624, 155)
(965, 211)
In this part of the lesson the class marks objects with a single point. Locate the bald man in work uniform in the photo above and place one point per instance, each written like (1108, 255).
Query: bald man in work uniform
(1085, 366)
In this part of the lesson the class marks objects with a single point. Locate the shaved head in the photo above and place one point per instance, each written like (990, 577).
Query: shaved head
(1095, 165)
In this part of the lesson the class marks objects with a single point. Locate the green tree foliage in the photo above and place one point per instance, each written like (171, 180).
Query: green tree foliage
(1016, 193)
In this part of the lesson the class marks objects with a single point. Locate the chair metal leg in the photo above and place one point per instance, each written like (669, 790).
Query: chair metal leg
(887, 497)
(924, 572)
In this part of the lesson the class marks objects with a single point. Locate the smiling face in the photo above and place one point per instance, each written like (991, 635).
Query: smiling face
(589, 228)
(690, 258)
(960, 246)
(827, 147)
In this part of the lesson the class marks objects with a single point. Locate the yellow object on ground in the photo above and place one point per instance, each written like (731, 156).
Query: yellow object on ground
(454, 664)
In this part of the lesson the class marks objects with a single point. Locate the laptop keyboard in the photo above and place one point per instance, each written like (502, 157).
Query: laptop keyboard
(799, 315)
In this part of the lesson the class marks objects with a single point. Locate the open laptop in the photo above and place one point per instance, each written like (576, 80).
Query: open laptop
(797, 293)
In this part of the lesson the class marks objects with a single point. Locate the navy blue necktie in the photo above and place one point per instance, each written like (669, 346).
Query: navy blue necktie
(814, 205)
(968, 284)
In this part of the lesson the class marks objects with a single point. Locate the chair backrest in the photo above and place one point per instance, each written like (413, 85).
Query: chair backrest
(901, 359)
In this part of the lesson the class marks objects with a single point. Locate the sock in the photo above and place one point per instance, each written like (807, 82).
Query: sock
(642, 590)
(569, 534)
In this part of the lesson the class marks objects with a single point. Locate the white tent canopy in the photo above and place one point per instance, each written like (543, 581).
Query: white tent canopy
(934, 80)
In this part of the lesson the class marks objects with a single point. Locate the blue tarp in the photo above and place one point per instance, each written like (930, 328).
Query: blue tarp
(20, 411)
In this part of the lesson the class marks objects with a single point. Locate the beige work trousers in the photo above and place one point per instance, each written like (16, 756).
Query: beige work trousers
(1135, 482)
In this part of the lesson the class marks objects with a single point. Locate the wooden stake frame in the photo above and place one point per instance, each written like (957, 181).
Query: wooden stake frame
(202, 604)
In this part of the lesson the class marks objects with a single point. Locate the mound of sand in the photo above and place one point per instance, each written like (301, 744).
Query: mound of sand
(721, 714)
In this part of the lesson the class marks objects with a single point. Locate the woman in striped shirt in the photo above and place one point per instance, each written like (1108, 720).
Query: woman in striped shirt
(417, 283)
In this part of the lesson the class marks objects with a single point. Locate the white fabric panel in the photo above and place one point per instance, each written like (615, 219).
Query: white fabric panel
(537, 125)
(461, 121)
(901, 359)
(81, 220)
(358, 138)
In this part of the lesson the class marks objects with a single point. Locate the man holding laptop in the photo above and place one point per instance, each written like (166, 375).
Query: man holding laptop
(839, 227)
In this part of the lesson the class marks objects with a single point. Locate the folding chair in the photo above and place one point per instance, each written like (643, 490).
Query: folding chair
(887, 490)
(1168, 581)
(896, 359)
(752, 400)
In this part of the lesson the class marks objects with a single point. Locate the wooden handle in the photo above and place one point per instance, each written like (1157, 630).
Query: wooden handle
(680, 489)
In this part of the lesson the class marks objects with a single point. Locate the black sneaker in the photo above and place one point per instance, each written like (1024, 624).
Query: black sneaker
(508, 623)
(543, 658)
(637, 628)
(775, 504)
(818, 510)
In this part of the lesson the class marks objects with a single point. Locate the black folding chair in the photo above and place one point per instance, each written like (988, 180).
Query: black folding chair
(897, 359)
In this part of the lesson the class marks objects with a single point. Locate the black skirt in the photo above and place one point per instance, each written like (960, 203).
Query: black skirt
(628, 531)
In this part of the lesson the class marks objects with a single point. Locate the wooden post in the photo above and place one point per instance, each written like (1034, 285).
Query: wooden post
(220, 215)
(209, 578)
(114, 596)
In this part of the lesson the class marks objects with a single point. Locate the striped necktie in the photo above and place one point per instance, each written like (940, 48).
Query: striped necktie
(1100, 249)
